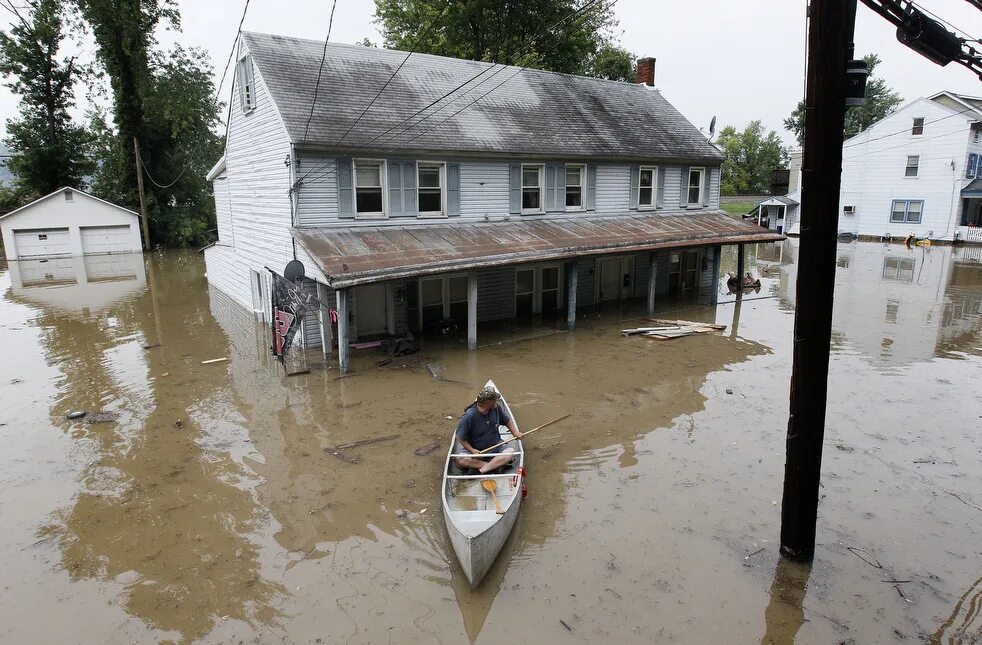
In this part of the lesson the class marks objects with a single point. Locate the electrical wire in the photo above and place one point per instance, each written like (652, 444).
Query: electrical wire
(958, 30)
(906, 130)
(231, 54)
(325, 166)
(154, 181)
(393, 75)
(320, 70)
(904, 145)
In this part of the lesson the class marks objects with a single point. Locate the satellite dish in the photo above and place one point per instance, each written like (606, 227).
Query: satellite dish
(712, 127)
(294, 271)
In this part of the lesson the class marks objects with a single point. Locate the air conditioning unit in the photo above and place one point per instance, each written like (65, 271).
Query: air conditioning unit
(848, 210)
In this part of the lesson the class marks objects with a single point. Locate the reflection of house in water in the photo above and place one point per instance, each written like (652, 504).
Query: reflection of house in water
(899, 305)
(88, 284)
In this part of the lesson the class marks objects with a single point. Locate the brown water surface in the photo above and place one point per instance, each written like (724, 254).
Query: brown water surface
(207, 503)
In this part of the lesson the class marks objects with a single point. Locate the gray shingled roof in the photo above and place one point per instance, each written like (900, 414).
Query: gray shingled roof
(533, 113)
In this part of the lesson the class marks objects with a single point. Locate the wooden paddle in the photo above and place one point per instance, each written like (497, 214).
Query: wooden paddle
(489, 485)
(548, 423)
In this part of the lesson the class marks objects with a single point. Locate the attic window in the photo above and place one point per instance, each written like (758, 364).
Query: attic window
(69, 196)
(918, 127)
(245, 77)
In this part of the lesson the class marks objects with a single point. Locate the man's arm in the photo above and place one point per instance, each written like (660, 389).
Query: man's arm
(467, 446)
(512, 428)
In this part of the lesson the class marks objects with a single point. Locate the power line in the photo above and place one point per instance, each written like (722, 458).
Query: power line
(940, 19)
(906, 130)
(511, 55)
(320, 69)
(422, 37)
(231, 54)
(143, 165)
(905, 144)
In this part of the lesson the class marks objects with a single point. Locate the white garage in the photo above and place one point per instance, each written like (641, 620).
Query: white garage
(69, 222)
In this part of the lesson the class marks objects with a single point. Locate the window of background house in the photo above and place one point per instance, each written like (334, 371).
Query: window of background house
(912, 163)
(531, 189)
(574, 187)
(646, 186)
(368, 187)
(430, 189)
(695, 185)
(918, 127)
(906, 211)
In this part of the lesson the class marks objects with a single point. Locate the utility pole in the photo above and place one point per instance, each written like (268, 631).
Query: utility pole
(143, 206)
(830, 47)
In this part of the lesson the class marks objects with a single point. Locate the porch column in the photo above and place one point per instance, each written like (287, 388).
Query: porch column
(572, 281)
(325, 318)
(717, 253)
(741, 262)
(652, 282)
(343, 331)
(471, 311)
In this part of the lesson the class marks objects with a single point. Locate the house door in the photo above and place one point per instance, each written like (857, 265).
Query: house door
(371, 309)
(690, 270)
(616, 278)
(524, 293)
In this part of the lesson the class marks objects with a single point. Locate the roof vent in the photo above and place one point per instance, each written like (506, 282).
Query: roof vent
(646, 71)
(68, 196)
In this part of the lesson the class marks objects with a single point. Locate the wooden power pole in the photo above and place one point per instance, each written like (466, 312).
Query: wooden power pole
(830, 34)
(144, 226)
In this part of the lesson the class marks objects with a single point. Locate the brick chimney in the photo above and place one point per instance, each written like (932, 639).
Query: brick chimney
(646, 71)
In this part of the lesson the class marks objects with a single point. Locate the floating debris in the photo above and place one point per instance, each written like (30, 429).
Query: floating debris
(75, 414)
(101, 417)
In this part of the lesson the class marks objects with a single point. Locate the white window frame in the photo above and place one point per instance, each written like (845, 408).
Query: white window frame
(913, 125)
(445, 294)
(907, 203)
(383, 180)
(582, 170)
(654, 188)
(542, 189)
(688, 186)
(916, 166)
(536, 292)
(247, 83)
(442, 213)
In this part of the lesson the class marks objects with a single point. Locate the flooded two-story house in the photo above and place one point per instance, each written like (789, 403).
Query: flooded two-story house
(427, 192)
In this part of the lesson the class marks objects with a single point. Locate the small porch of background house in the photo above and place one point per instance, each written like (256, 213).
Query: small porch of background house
(969, 227)
(399, 279)
(773, 213)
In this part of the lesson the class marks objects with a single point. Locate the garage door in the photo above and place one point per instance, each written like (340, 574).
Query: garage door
(106, 239)
(39, 243)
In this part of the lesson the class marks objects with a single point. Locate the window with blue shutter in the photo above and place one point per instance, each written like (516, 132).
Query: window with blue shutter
(635, 183)
(970, 169)
(515, 188)
(591, 187)
(395, 188)
(978, 169)
(453, 189)
(555, 188)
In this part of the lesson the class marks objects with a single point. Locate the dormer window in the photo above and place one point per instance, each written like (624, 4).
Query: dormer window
(245, 77)
(917, 128)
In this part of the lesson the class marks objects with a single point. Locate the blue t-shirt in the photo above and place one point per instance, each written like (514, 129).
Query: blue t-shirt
(480, 430)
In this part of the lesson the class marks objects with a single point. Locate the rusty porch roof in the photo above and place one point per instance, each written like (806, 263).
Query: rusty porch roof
(363, 254)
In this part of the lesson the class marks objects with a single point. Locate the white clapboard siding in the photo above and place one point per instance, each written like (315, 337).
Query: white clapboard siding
(223, 210)
(258, 196)
(613, 188)
(873, 168)
(317, 198)
(483, 190)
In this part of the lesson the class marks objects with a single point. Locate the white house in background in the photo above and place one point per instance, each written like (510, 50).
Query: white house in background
(69, 222)
(917, 171)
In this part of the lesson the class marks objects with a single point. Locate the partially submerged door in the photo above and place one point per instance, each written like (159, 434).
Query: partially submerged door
(616, 278)
(371, 309)
(39, 243)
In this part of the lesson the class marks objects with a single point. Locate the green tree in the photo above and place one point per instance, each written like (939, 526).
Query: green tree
(614, 63)
(166, 101)
(48, 150)
(503, 31)
(749, 159)
(881, 100)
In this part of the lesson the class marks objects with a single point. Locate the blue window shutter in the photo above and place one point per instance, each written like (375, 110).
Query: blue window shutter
(561, 187)
(453, 189)
(590, 202)
(410, 205)
(346, 192)
(971, 168)
(978, 169)
(684, 196)
(515, 188)
(660, 195)
(635, 184)
(707, 175)
(555, 188)
(395, 188)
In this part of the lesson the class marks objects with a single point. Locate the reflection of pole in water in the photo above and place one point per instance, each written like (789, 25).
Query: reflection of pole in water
(969, 627)
(784, 614)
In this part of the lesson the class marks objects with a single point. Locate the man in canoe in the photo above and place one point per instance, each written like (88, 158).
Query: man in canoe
(478, 429)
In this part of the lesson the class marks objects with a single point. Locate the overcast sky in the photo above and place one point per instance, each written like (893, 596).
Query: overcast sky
(737, 60)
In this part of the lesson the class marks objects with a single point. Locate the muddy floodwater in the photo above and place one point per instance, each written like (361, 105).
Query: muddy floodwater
(205, 502)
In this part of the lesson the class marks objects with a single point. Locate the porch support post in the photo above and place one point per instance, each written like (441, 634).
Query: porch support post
(741, 262)
(572, 281)
(652, 282)
(325, 319)
(343, 331)
(717, 253)
(471, 311)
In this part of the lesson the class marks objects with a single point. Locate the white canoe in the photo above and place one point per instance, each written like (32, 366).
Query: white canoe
(476, 530)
